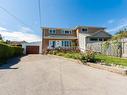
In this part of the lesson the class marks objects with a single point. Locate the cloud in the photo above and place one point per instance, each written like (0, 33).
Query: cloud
(119, 24)
(3, 29)
(24, 34)
(26, 29)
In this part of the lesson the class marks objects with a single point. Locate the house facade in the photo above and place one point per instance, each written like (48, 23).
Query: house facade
(77, 37)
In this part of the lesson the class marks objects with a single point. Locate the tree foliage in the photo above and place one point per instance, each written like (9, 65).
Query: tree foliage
(1, 37)
(120, 34)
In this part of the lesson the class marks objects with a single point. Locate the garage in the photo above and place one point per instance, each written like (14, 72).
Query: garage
(32, 49)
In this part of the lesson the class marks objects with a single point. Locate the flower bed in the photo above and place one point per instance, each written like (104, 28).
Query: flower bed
(91, 56)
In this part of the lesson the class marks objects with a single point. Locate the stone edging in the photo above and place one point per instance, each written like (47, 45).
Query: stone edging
(109, 68)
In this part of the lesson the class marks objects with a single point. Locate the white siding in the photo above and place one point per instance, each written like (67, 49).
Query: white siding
(82, 42)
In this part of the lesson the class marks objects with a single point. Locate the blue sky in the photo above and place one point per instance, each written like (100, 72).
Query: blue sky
(60, 13)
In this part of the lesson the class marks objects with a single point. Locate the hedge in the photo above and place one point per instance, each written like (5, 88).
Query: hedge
(7, 51)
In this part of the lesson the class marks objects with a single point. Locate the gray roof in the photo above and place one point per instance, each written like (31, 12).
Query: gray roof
(75, 27)
(91, 27)
(95, 33)
(57, 28)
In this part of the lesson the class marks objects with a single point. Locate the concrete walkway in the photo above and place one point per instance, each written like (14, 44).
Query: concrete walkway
(49, 75)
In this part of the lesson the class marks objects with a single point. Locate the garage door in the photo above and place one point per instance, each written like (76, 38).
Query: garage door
(32, 49)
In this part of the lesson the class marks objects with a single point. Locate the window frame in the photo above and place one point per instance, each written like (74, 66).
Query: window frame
(64, 31)
(100, 39)
(52, 31)
(86, 29)
(66, 43)
(91, 39)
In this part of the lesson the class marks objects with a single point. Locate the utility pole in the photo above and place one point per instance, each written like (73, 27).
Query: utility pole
(40, 21)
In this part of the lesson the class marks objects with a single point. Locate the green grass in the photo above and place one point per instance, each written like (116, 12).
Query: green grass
(111, 60)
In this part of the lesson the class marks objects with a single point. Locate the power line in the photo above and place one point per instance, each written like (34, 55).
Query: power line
(39, 6)
(13, 16)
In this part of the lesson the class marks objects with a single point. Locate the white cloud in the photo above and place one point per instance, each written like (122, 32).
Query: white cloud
(24, 34)
(119, 25)
(3, 29)
(26, 29)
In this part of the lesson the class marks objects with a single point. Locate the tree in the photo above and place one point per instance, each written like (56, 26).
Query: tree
(1, 37)
(120, 34)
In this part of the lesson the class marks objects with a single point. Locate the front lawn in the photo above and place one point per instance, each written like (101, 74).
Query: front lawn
(111, 60)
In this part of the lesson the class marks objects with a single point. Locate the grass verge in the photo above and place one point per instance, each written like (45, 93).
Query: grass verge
(111, 60)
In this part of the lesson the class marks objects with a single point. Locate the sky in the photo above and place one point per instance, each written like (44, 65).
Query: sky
(59, 13)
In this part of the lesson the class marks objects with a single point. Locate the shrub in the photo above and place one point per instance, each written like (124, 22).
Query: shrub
(60, 54)
(89, 56)
(7, 51)
(68, 55)
(83, 58)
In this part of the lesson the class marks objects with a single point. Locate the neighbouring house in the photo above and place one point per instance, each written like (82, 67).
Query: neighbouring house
(32, 47)
(69, 38)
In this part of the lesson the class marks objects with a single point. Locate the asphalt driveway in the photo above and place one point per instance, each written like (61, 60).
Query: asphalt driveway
(49, 75)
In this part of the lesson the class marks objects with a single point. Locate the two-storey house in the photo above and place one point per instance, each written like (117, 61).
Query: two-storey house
(77, 37)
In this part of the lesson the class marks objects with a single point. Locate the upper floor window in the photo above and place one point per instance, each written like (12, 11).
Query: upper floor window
(52, 31)
(66, 32)
(84, 29)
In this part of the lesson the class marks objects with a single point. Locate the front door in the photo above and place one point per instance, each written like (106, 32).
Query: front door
(58, 44)
(55, 44)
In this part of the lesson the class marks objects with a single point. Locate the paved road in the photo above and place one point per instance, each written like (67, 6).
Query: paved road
(49, 75)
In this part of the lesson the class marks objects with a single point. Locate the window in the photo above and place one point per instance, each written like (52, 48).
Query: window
(100, 39)
(62, 31)
(66, 43)
(66, 32)
(84, 29)
(52, 44)
(52, 31)
(93, 39)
